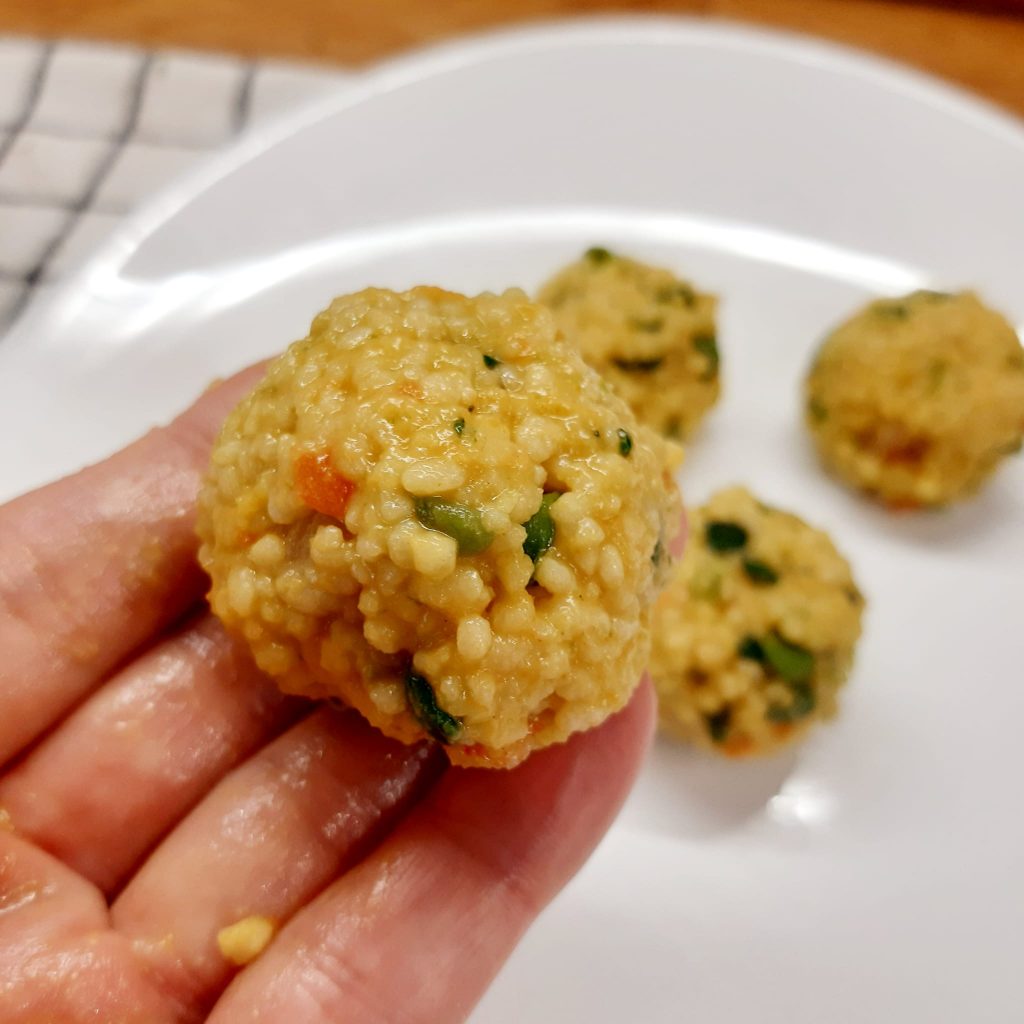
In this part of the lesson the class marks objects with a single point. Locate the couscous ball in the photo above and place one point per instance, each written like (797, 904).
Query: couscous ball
(650, 334)
(433, 510)
(755, 632)
(917, 400)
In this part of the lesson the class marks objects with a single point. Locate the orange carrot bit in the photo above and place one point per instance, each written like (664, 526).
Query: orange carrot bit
(902, 504)
(909, 453)
(738, 746)
(321, 486)
(477, 753)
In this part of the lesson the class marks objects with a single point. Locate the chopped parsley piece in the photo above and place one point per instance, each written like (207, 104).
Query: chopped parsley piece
(444, 728)
(540, 528)
(892, 310)
(759, 572)
(751, 649)
(793, 663)
(648, 326)
(816, 409)
(491, 361)
(718, 725)
(625, 442)
(707, 346)
(677, 291)
(638, 365)
(658, 554)
(801, 706)
(464, 524)
(598, 254)
(459, 426)
(937, 371)
(722, 536)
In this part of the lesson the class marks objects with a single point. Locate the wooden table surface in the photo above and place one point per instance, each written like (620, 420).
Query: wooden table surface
(979, 45)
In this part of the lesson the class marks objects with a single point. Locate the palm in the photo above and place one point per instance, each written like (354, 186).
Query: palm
(157, 789)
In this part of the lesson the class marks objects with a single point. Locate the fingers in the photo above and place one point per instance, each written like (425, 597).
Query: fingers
(417, 931)
(57, 961)
(128, 763)
(266, 840)
(92, 565)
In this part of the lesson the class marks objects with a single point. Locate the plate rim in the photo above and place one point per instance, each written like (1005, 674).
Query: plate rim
(477, 48)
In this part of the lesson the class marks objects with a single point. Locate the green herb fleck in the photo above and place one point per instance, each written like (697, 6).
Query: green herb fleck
(677, 291)
(459, 426)
(892, 310)
(598, 254)
(625, 442)
(648, 326)
(801, 706)
(540, 528)
(1012, 447)
(445, 728)
(718, 725)
(793, 663)
(853, 595)
(491, 361)
(638, 365)
(932, 295)
(722, 536)
(464, 524)
(751, 649)
(937, 371)
(760, 572)
(707, 346)
(658, 554)
(816, 409)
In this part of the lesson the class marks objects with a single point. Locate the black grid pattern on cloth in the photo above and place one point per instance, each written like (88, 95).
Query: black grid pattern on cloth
(98, 127)
(62, 215)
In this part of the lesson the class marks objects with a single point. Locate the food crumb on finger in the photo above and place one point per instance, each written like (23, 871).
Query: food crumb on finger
(241, 942)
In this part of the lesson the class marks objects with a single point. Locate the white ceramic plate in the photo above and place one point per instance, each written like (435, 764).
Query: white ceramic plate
(875, 874)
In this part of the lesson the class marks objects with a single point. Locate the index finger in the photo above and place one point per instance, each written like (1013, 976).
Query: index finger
(417, 931)
(94, 564)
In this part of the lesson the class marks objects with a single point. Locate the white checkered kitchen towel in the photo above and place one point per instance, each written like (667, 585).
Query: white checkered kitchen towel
(87, 131)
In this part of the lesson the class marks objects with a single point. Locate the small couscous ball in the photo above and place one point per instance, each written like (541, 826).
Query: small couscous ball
(756, 630)
(433, 510)
(917, 400)
(650, 334)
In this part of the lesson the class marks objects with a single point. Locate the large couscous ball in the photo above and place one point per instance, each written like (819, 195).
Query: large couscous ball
(432, 509)
(756, 630)
(916, 400)
(649, 333)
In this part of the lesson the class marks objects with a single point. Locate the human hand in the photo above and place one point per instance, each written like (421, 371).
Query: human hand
(157, 788)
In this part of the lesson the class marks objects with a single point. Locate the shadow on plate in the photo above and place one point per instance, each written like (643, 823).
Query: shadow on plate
(962, 525)
(687, 793)
(955, 526)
